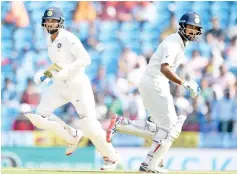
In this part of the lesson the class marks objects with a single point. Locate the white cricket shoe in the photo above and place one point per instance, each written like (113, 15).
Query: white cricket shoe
(109, 165)
(73, 146)
(144, 168)
(159, 170)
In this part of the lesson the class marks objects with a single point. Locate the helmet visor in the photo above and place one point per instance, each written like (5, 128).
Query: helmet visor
(52, 25)
(191, 32)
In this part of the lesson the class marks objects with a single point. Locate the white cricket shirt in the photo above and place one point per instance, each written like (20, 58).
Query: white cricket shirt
(66, 49)
(171, 51)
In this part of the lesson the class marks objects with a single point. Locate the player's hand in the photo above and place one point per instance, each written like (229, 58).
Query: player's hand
(192, 87)
(40, 78)
(48, 74)
(51, 70)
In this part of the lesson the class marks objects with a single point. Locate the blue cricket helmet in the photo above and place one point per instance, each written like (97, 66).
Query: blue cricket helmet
(53, 13)
(190, 18)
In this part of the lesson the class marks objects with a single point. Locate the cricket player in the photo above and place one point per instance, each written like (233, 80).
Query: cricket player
(70, 84)
(164, 125)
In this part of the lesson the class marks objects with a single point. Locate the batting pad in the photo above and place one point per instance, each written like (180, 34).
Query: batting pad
(133, 130)
(163, 140)
(160, 146)
(177, 128)
(53, 124)
(94, 131)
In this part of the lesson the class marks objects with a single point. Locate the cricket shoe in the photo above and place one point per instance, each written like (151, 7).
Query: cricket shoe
(114, 122)
(72, 147)
(144, 168)
(111, 130)
(109, 164)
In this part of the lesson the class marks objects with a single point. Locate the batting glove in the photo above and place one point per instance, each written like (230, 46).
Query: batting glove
(40, 78)
(192, 87)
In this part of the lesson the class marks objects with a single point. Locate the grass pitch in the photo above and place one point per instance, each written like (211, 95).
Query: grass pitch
(52, 171)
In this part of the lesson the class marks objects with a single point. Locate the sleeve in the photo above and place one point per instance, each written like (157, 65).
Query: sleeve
(77, 49)
(170, 51)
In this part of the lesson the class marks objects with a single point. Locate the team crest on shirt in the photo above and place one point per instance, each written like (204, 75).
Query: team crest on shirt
(59, 45)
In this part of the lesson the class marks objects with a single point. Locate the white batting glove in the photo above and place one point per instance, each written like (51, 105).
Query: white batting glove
(192, 87)
(40, 78)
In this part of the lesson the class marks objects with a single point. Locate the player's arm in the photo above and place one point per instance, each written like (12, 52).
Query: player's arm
(192, 87)
(172, 76)
(170, 52)
(81, 61)
(78, 50)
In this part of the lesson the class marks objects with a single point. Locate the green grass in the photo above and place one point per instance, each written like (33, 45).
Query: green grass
(52, 171)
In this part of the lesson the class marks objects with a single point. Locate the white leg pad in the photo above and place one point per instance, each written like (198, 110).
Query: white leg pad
(177, 128)
(52, 123)
(93, 130)
(162, 142)
(138, 128)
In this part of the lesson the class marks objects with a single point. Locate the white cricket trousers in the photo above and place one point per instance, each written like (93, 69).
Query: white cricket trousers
(78, 92)
(158, 101)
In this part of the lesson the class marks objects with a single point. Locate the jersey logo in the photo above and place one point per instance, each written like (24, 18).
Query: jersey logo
(59, 45)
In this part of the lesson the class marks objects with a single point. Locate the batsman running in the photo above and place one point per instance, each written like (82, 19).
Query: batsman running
(70, 84)
(164, 126)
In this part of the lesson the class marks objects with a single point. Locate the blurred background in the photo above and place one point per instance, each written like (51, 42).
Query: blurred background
(121, 37)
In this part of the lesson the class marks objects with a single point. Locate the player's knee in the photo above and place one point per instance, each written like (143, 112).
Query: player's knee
(150, 126)
(162, 136)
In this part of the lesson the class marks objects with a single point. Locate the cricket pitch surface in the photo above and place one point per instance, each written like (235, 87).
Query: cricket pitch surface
(55, 171)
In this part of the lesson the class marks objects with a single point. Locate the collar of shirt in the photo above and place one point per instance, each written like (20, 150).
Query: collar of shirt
(61, 33)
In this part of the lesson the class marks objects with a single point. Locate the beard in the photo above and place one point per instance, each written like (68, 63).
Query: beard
(52, 31)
